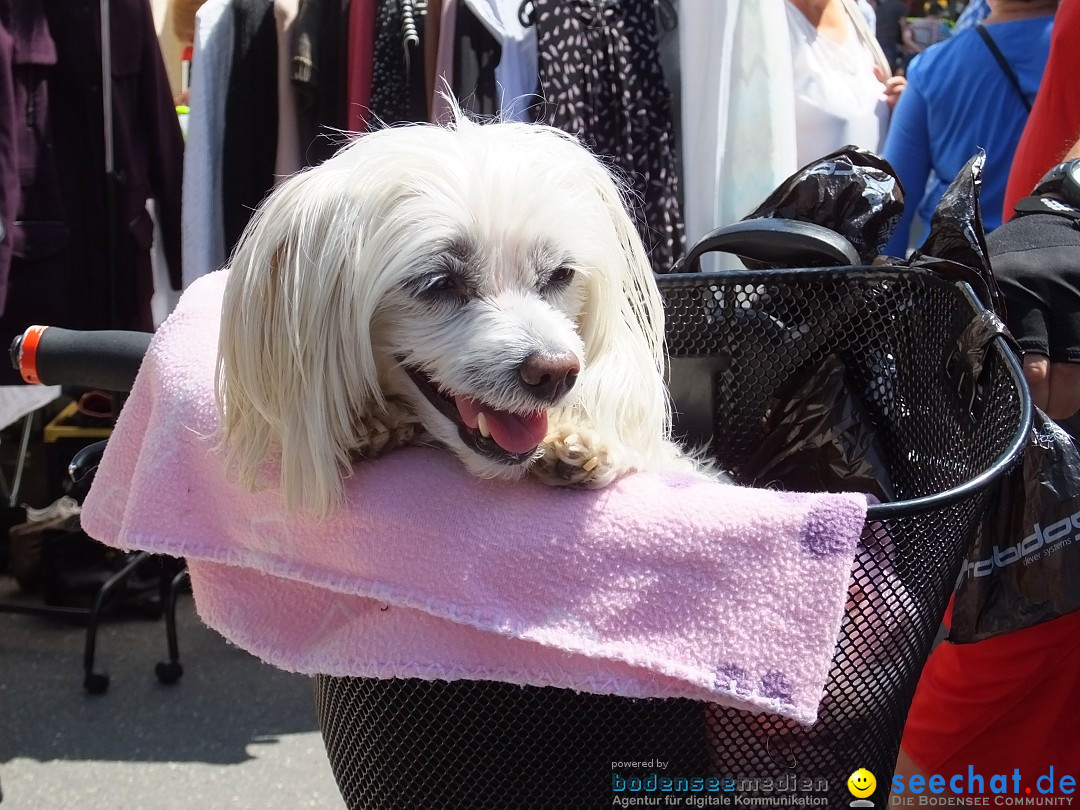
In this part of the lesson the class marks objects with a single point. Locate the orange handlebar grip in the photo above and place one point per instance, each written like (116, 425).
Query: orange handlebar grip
(28, 354)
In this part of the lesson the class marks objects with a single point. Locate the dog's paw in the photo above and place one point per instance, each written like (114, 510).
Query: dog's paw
(575, 456)
(379, 433)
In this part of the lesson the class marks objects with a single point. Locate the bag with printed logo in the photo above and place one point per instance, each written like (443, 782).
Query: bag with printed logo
(1024, 567)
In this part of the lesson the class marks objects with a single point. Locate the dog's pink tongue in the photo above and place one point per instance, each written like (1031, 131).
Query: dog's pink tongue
(512, 432)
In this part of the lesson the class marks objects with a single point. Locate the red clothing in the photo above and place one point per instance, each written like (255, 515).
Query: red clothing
(361, 64)
(1054, 125)
(1004, 703)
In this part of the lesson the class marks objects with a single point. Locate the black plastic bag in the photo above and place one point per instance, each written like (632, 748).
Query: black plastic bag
(1024, 568)
(850, 191)
(820, 437)
(955, 247)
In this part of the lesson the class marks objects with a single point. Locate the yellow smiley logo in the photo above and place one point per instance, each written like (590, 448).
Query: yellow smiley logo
(861, 783)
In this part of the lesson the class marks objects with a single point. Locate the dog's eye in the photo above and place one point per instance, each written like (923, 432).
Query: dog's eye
(438, 284)
(560, 277)
(442, 286)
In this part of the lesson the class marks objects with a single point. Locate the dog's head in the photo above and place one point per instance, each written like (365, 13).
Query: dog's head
(486, 275)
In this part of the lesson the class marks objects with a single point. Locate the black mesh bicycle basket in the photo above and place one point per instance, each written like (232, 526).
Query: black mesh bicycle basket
(948, 428)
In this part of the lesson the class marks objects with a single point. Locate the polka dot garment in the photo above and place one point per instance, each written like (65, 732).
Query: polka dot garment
(601, 79)
(397, 84)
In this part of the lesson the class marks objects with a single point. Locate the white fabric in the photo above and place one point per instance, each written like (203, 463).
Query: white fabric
(838, 100)
(16, 401)
(738, 122)
(517, 72)
(868, 14)
(202, 224)
(739, 112)
(165, 297)
(867, 34)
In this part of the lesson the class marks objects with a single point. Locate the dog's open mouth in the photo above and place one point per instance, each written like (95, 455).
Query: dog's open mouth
(503, 436)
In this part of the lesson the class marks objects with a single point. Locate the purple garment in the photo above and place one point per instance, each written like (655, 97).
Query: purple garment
(9, 172)
(59, 268)
(28, 52)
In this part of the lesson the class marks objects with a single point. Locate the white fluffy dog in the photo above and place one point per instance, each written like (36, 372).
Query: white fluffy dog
(477, 286)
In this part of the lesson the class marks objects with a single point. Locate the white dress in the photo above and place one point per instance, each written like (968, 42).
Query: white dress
(838, 100)
(739, 127)
(737, 112)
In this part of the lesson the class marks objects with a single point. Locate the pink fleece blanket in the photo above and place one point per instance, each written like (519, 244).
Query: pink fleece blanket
(658, 586)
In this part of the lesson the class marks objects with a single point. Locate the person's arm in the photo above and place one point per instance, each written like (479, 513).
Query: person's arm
(907, 149)
(893, 86)
(906, 39)
(1036, 258)
(907, 35)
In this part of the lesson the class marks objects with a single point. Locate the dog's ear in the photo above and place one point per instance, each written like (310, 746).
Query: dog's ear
(623, 332)
(295, 361)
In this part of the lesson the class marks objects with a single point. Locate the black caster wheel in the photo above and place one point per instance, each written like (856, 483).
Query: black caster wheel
(95, 683)
(169, 672)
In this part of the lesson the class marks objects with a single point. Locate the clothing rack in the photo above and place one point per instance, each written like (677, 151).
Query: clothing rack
(171, 577)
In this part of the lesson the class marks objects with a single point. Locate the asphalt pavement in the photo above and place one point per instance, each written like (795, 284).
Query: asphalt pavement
(233, 732)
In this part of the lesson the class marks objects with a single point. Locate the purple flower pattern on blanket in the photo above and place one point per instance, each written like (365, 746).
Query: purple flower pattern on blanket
(733, 678)
(818, 537)
(774, 685)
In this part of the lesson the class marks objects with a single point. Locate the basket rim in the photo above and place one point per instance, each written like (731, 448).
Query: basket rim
(744, 275)
(925, 503)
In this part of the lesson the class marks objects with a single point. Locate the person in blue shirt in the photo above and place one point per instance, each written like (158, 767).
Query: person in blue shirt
(958, 100)
(973, 14)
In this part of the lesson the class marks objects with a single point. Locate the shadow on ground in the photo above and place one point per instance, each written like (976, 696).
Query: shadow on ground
(225, 702)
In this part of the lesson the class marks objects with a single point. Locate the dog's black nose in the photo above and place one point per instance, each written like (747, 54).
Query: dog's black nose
(549, 375)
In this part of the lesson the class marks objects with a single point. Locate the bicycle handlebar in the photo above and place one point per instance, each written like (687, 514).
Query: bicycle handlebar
(107, 359)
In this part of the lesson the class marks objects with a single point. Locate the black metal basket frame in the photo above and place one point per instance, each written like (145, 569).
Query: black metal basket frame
(1000, 345)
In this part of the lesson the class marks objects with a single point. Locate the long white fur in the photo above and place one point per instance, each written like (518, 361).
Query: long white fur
(317, 307)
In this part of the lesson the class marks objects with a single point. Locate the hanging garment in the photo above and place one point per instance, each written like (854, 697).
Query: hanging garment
(77, 260)
(249, 149)
(9, 164)
(211, 64)
(360, 56)
(399, 86)
(477, 55)
(432, 32)
(738, 111)
(601, 80)
(318, 41)
(516, 71)
(444, 62)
